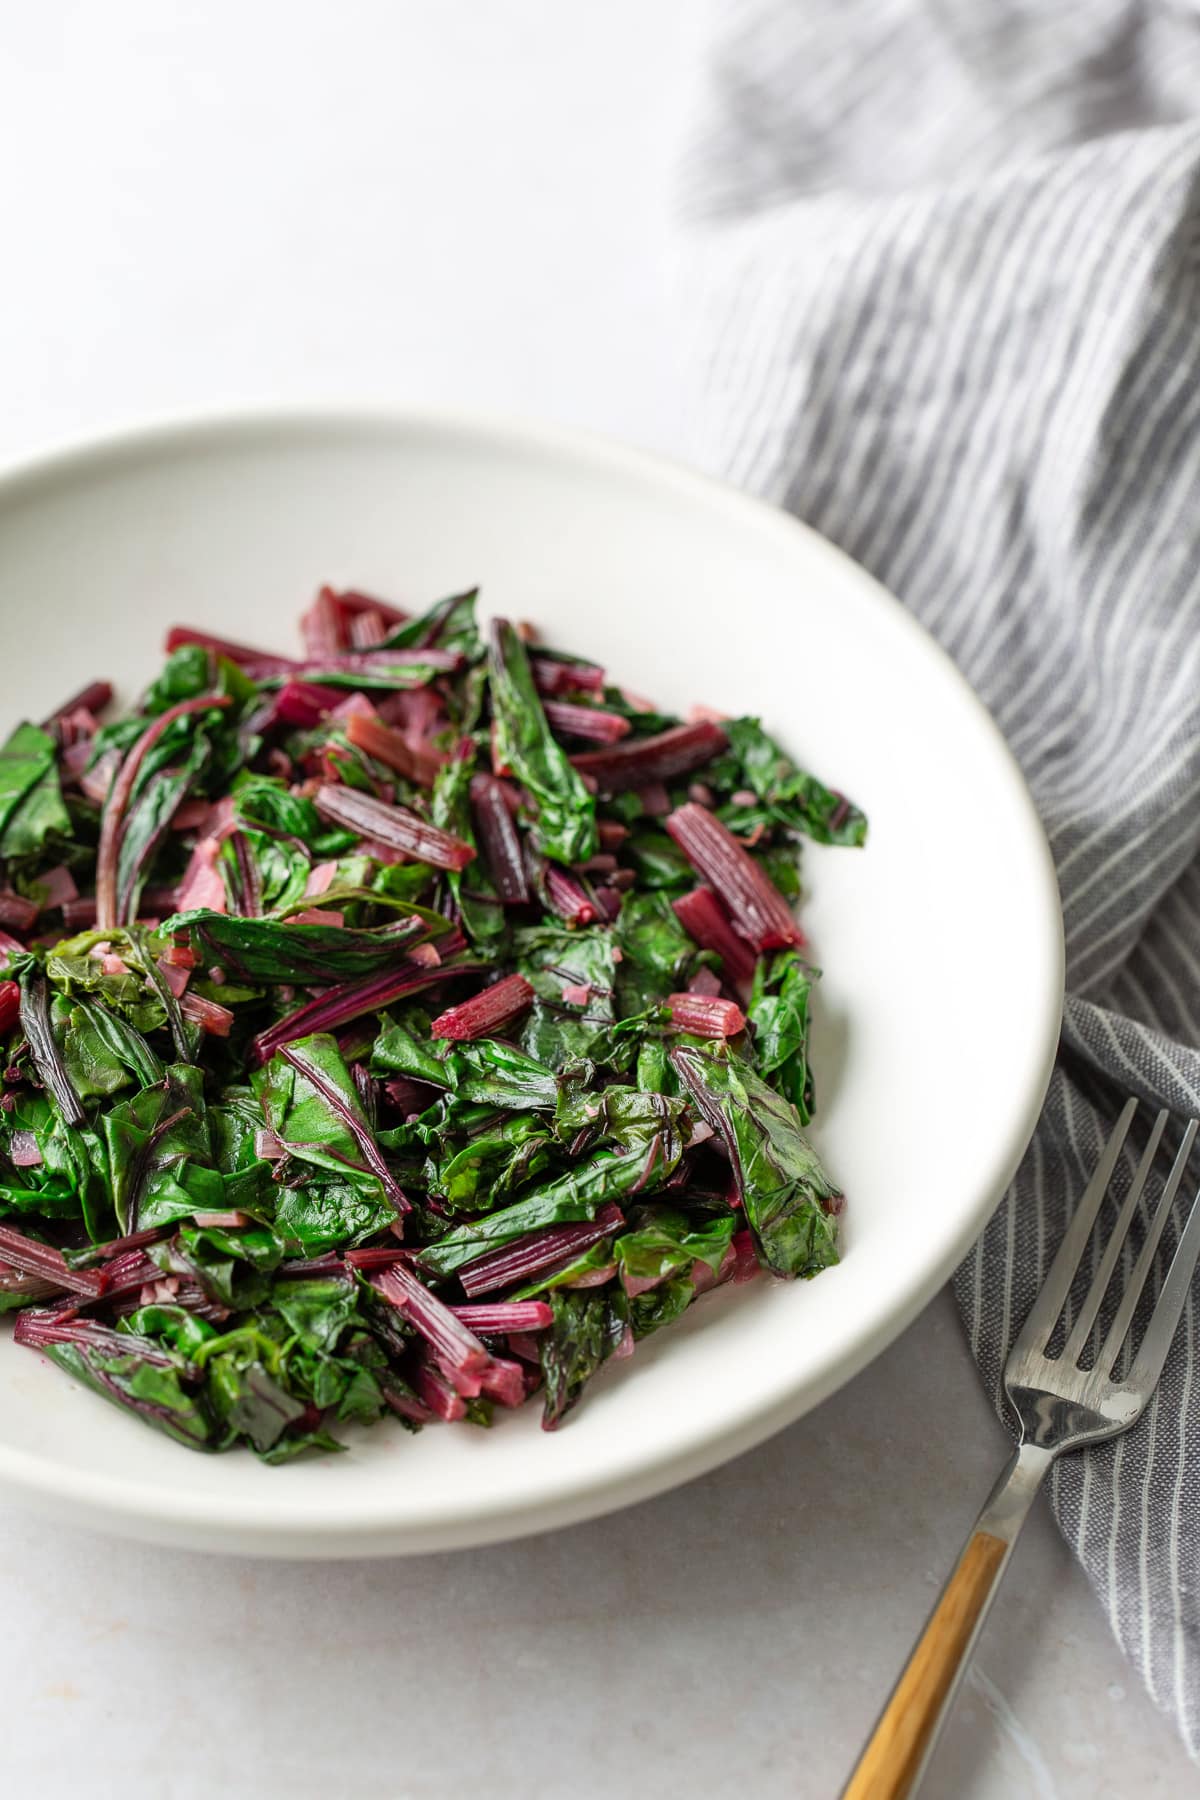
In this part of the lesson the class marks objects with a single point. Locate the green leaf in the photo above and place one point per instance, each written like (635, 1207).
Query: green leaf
(655, 1073)
(301, 1443)
(72, 971)
(189, 672)
(569, 1197)
(788, 796)
(778, 1011)
(401, 883)
(362, 1402)
(101, 1051)
(232, 1263)
(658, 860)
(193, 670)
(141, 1376)
(781, 864)
(185, 675)
(782, 1183)
(243, 1369)
(31, 804)
(233, 1123)
(516, 1149)
(73, 1180)
(624, 1115)
(330, 1215)
(318, 1311)
(449, 625)
(588, 1326)
(403, 1049)
(55, 1185)
(489, 1072)
(172, 1325)
(25, 758)
(304, 1120)
(551, 957)
(269, 950)
(163, 783)
(348, 1377)
(283, 870)
(665, 1242)
(52, 1201)
(661, 1305)
(566, 821)
(40, 819)
(265, 804)
(655, 949)
(158, 1151)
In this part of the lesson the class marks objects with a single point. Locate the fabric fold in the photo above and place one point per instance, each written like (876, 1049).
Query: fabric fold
(941, 272)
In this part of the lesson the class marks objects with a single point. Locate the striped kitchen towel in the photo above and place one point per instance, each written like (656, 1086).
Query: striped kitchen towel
(942, 264)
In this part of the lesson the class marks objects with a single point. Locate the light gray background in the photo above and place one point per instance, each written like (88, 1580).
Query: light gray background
(408, 202)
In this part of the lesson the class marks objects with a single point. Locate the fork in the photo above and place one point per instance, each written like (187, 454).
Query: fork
(1061, 1406)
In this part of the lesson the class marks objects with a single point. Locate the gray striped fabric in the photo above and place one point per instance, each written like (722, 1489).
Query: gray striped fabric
(942, 263)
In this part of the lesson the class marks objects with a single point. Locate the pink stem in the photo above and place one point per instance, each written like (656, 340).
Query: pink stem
(703, 919)
(501, 845)
(538, 1253)
(352, 1000)
(567, 896)
(756, 907)
(34, 1258)
(706, 1017)
(485, 1013)
(93, 698)
(438, 1394)
(353, 604)
(17, 912)
(554, 677)
(321, 626)
(586, 721)
(211, 1017)
(356, 662)
(642, 761)
(118, 799)
(391, 747)
(392, 825)
(179, 635)
(503, 1316)
(457, 1349)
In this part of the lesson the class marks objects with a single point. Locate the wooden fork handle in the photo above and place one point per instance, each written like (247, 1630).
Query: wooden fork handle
(903, 1740)
(898, 1746)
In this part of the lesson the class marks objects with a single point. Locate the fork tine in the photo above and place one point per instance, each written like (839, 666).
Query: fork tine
(1043, 1315)
(1081, 1329)
(1123, 1318)
(1164, 1322)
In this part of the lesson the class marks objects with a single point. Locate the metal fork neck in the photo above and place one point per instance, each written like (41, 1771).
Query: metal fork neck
(1006, 1506)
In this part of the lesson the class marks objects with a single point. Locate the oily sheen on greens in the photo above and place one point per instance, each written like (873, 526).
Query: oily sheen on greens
(402, 1028)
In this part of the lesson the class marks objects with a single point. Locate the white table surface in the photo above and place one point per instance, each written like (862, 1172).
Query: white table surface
(406, 202)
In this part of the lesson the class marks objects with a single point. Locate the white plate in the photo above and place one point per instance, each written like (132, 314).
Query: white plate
(941, 942)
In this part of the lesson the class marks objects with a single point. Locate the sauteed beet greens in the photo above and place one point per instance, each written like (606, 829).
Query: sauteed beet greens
(404, 1028)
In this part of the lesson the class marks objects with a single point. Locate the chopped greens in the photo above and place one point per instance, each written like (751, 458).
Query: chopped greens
(400, 1028)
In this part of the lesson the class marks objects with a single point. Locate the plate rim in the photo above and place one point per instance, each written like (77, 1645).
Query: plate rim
(117, 1504)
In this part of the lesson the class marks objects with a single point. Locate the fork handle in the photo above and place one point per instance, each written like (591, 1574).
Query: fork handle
(898, 1753)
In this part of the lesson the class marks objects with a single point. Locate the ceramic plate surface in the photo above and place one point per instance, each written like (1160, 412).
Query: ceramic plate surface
(940, 943)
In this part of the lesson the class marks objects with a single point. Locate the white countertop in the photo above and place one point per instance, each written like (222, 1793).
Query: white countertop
(393, 201)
